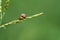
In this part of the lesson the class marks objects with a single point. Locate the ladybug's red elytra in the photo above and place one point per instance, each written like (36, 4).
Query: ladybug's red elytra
(22, 17)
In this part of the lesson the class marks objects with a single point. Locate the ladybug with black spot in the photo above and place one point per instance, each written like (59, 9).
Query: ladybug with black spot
(22, 17)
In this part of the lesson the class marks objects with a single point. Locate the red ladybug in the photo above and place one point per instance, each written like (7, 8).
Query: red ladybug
(22, 17)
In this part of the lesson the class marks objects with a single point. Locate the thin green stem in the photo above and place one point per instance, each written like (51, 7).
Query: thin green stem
(17, 21)
(0, 11)
(5, 7)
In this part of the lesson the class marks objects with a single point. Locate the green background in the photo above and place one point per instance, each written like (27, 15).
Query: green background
(45, 27)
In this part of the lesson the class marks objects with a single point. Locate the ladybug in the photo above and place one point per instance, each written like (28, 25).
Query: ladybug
(22, 17)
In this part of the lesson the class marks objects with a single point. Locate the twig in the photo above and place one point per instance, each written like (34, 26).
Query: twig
(0, 11)
(17, 21)
(6, 5)
(5, 9)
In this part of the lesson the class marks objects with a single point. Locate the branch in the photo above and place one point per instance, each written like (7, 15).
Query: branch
(17, 21)
(5, 9)
(6, 5)
(0, 11)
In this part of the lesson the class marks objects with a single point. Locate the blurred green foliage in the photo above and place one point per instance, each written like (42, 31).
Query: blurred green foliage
(46, 27)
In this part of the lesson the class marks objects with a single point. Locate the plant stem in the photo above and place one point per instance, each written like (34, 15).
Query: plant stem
(6, 7)
(17, 21)
(0, 11)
